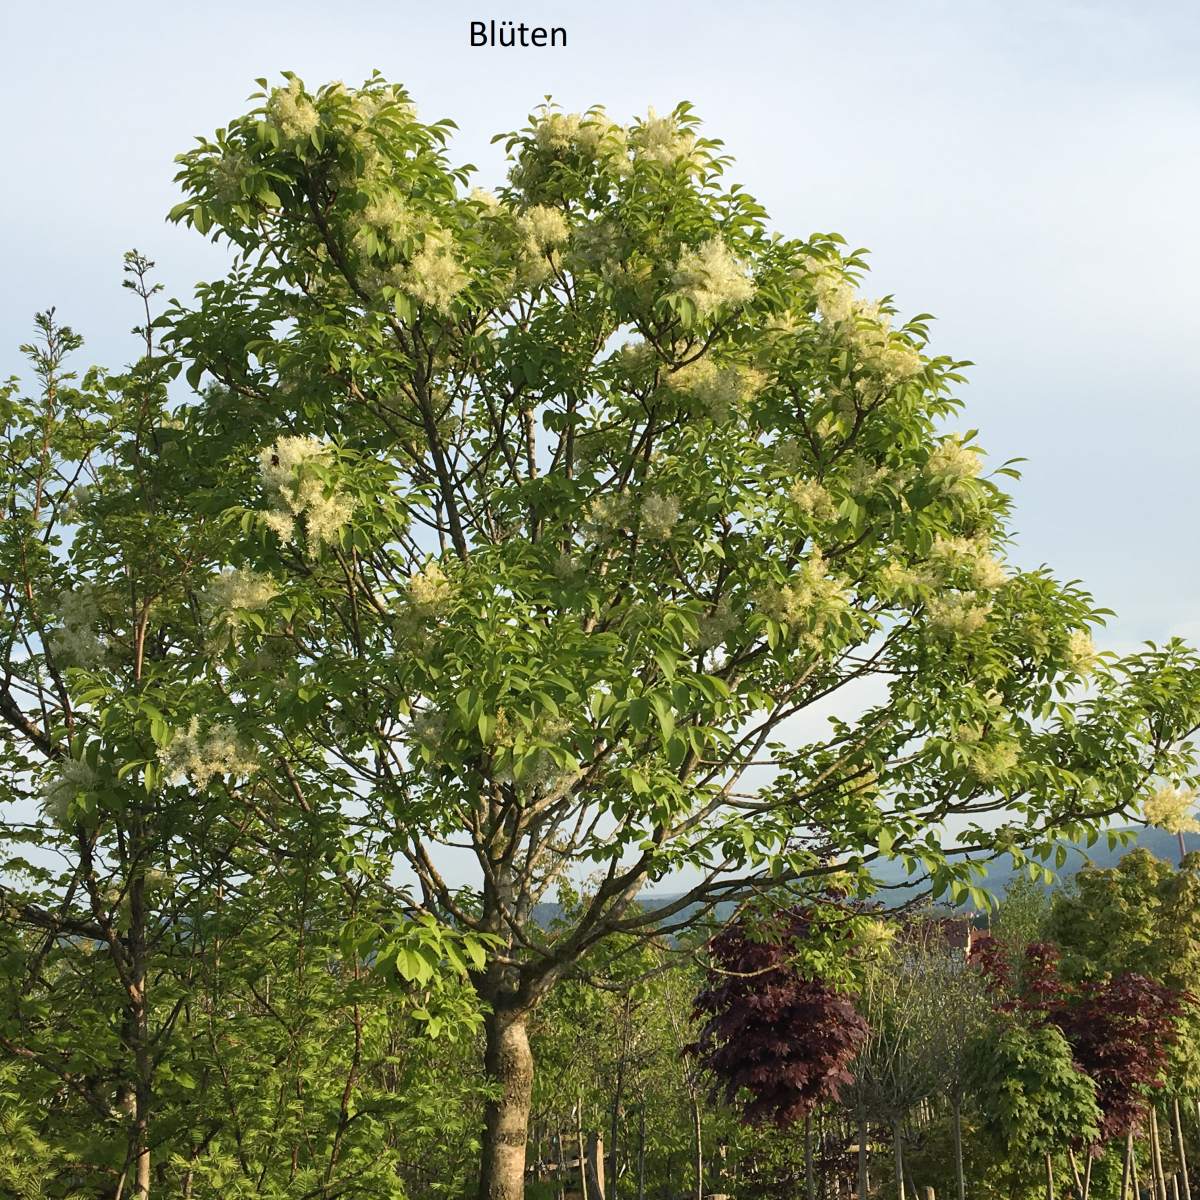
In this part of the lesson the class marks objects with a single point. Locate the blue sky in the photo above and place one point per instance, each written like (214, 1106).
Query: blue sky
(1027, 172)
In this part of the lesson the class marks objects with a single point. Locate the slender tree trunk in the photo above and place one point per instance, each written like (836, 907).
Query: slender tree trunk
(958, 1155)
(862, 1156)
(595, 1166)
(561, 1174)
(1087, 1175)
(1134, 1172)
(642, 1153)
(583, 1180)
(898, 1153)
(810, 1178)
(1179, 1148)
(509, 1063)
(1156, 1155)
(1127, 1167)
(698, 1134)
(1075, 1172)
(1049, 1178)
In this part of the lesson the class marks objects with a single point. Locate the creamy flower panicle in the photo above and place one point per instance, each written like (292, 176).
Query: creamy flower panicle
(295, 491)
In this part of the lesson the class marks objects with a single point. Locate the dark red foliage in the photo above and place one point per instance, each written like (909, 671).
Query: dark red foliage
(778, 1042)
(1120, 1031)
(1120, 1034)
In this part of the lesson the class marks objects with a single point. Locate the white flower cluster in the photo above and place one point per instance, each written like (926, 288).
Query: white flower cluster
(712, 279)
(388, 217)
(294, 113)
(661, 140)
(75, 642)
(238, 589)
(957, 615)
(717, 389)
(542, 230)
(435, 276)
(1173, 809)
(429, 590)
(659, 516)
(201, 757)
(716, 625)
(294, 490)
(1080, 656)
(866, 327)
(993, 761)
(588, 132)
(969, 556)
(74, 776)
(952, 462)
(812, 498)
(812, 599)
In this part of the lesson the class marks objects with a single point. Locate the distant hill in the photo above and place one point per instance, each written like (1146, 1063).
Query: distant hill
(1161, 844)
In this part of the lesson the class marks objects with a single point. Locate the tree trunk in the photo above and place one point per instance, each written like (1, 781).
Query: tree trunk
(642, 1153)
(1156, 1156)
(958, 1157)
(862, 1156)
(810, 1179)
(1049, 1178)
(1183, 1167)
(509, 1064)
(595, 1166)
(898, 1151)
(1087, 1175)
(1127, 1167)
(583, 1181)
(1075, 1172)
(698, 1133)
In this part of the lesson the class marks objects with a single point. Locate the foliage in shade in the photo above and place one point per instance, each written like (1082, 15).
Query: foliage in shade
(1121, 1033)
(778, 1042)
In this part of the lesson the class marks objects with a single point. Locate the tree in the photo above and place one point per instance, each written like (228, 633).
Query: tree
(778, 1041)
(571, 499)
(1030, 1093)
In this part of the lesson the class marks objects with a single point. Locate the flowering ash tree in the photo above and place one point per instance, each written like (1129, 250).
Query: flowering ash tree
(575, 497)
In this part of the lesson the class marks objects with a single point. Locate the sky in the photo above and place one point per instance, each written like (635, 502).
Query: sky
(1027, 172)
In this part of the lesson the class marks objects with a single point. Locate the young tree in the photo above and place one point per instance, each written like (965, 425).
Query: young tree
(579, 496)
(777, 1040)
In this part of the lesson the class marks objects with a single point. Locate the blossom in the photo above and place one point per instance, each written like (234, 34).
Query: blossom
(812, 498)
(429, 589)
(811, 598)
(293, 111)
(970, 556)
(718, 389)
(75, 642)
(435, 276)
(543, 227)
(711, 278)
(386, 215)
(956, 615)
(486, 199)
(238, 590)
(295, 489)
(201, 757)
(605, 516)
(716, 625)
(661, 140)
(1172, 808)
(74, 777)
(953, 461)
(659, 516)
(992, 762)
(834, 295)
(1080, 654)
